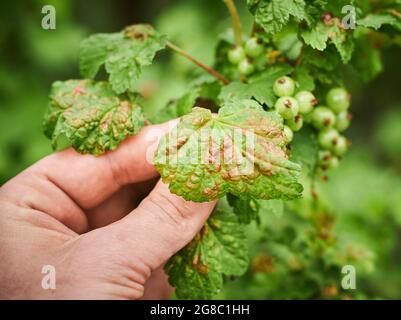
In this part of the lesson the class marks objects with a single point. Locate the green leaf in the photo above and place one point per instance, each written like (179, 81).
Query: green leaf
(304, 79)
(95, 50)
(305, 149)
(219, 248)
(259, 87)
(241, 150)
(287, 42)
(273, 15)
(247, 209)
(376, 21)
(179, 107)
(123, 54)
(90, 115)
(319, 36)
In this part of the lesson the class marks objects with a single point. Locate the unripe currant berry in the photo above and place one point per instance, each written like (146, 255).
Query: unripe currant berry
(306, 101)
(324, 157)
(236, 55)
(246, 67)
(253, 48)
(284, 86)
(288, 134)
(334, 163)
(340, 146)
(323, 117)
(328, 138)
(338, 99)
(343, 121)
(296, 123)
(287, 107)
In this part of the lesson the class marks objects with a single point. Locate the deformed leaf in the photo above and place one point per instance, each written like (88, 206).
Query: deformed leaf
(219, 248)
(90, 115)
(123, 54)
(241, 150)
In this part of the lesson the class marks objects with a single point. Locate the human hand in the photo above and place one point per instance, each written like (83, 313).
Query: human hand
(75, 212)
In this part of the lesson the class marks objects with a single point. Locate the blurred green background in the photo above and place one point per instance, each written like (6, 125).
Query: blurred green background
(364, 193)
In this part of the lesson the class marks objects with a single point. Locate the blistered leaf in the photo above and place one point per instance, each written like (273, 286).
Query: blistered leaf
(123, 54)
(90, 115)
(219, 248)
(241, 150)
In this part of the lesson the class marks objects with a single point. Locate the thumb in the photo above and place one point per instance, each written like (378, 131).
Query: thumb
(161, 225)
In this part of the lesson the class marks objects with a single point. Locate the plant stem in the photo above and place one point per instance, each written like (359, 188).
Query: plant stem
(197, 62)
(235, 21)
(253, 30)
(301, 57)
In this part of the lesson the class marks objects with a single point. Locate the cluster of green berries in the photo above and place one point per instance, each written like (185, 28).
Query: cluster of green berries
(243, 56)
(292, 108)
(329, 121)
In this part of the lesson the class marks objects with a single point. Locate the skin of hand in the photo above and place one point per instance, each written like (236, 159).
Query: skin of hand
(78, 213)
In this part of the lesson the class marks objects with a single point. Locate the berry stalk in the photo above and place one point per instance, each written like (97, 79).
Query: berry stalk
(197, 62)
(235, 21)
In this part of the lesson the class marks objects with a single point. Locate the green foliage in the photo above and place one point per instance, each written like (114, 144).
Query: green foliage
(304, 242)
(218, 249)
(376, 21)
(123, 54)
(259, 87)
(273, 15)
(246, 209)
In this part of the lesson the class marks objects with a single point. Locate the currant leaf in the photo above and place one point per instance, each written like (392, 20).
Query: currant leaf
(218, 249)
(305, 149)
(241, 150)
(259, 87)
(123, 54)
(90, 115)
(246, 209)
(376, 21)
(322, 34)
(273, 15)
(177, 108)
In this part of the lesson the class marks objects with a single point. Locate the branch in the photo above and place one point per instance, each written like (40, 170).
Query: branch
(197, 62)
(235, 21)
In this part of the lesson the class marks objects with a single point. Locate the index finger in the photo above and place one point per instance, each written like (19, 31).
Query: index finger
(89, 180)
